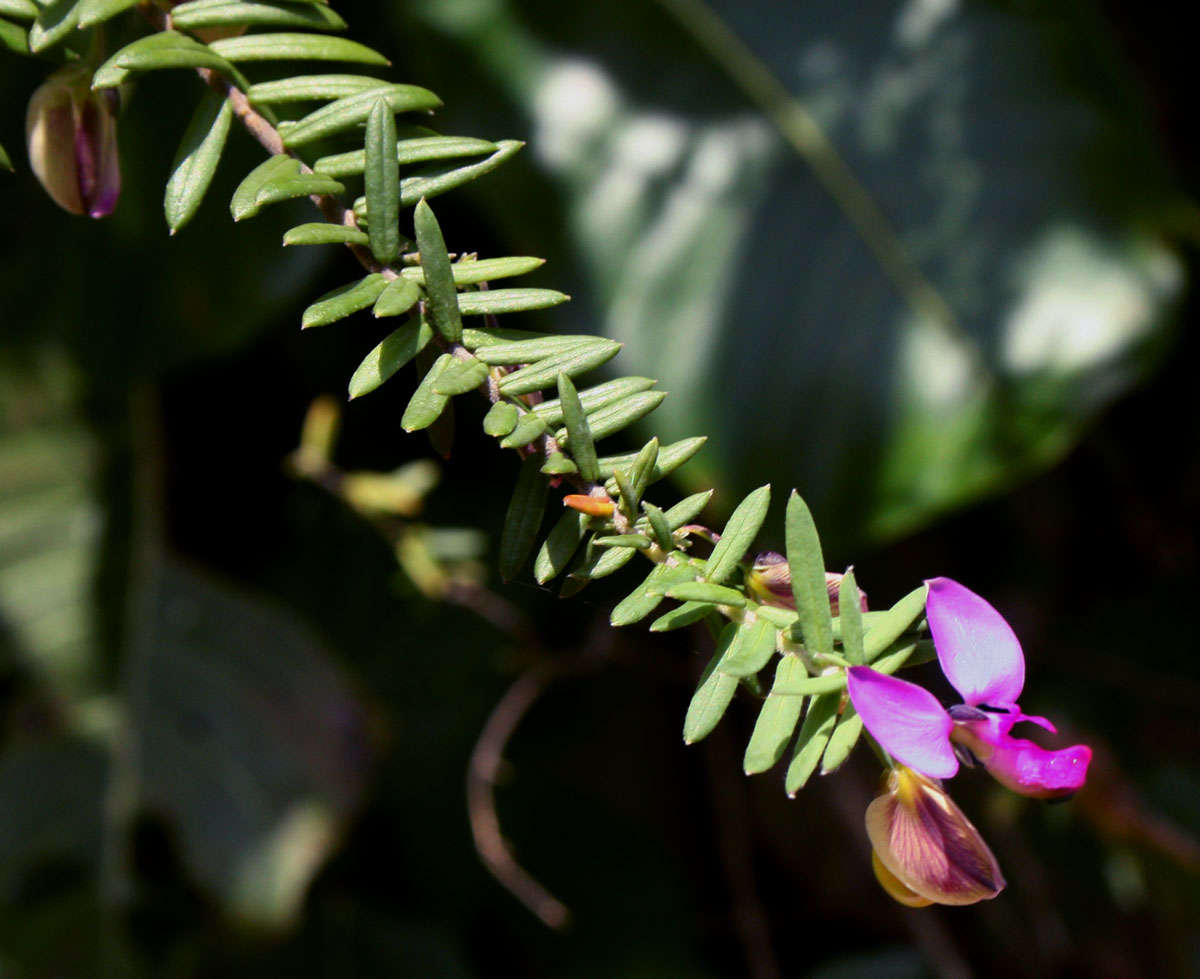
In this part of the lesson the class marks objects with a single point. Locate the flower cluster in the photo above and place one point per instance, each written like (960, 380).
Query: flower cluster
(926, 850)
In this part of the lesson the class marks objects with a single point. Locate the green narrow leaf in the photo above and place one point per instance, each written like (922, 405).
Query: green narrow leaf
(810, 745)
(351, 111)
(295, 47)
(5, 162)
(441, 432)
(781, 618)
(426, 405)
(845, 736)
(687, 509)
(439, 181)
(340, 303)
(201, 14)
(650, 593)
(396, 350)
(904, 654)
(807, 567)
(703, 591)
(382, 184)
(13, 37)
(54, 22)
(573, 362)
(420, 149)
(826, 683)
(460, 375)
(554, 556)
(531, 351)
(583, 450)
(497, 301)
(439, 280)
(670, 458)
(166, 49)
(485, 270)
(685, 615)
(659, 526)
(613, 417)
(20, 9)
(524, 518)
(638, 541)
(197, 158)
(243, 200)
(322, 233)
(776, 722)
(625, 494)
(397, 298)
(93, 12)
(527, 430)
(886, 628)
(712, 696)
(751, 649)
(601, 562)
(738, 535)
(286, 188)
(500, 419)
(592, 398)
(557, 464)
(309, 88)
(850, 614)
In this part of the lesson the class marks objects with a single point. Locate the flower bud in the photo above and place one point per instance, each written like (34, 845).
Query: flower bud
(71, 134)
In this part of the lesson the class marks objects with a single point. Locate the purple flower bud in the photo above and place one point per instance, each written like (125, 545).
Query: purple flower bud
(770, 581)
(71, 135)
(926, 851)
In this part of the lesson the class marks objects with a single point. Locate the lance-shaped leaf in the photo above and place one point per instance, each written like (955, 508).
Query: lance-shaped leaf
(600, 562)
(426, 405)
(420, 149)
(591, 398)
(528, 352)
(807, 567)
(19, 9)
(528, 429)
(497, 301)
(203, 13)
(442, 179)
(904, 654)
(166, 49)
(670, 458)
(851, 619)
(739, 533)
(631, 482)
(272, 168)
(398, 297)
(658, 525)
(622, 413)
(485, 270)
(287, 188)
(638, 541)
(13, 37)
(524, 518)
(650, 593)
(93, 12)
(558, 464)
(439, 281)
(560, 545)
(353, 110)
(309, 88)
(460, 375)
(810, 744)
(825, 683)
(340, 303)
(322, 233)
(395, 350)
(500, 419)
(687, 509)
(583, 450)
(887, 627)
(678, 618)
(842, 741)
(54, 22)
(295, 47)
(197, 158)
(382, 183)
(751, 649)
(703, 591)
(713, 695)
(776, 722)
(578, 360)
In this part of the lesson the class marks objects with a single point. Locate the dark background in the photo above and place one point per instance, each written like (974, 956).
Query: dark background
(255, 642)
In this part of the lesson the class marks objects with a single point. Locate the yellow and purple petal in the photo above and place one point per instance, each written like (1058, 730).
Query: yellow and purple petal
(927, 846)
(978, 650)
(906, 720)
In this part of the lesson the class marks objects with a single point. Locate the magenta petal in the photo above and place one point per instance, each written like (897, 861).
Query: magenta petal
(905, 719)
(978, 650)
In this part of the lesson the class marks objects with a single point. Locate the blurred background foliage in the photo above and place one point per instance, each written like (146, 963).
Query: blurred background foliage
(236, 726)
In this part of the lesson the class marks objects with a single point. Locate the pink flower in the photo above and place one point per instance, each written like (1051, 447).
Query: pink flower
(982, 659)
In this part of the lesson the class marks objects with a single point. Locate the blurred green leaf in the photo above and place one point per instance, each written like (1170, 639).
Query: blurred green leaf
(5, 162)
(703, 591)
(19, 9)
(92, 12)
(560, 546)
(426, 405)
(197, 158)
(524, 518)
(14, 38)
(55, 20)
(658, 525)
(393, 352)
